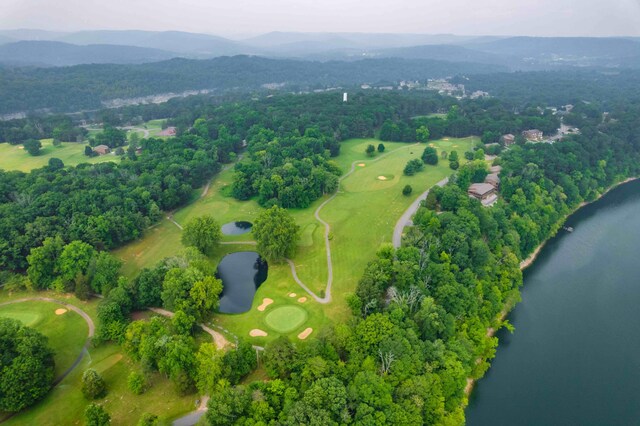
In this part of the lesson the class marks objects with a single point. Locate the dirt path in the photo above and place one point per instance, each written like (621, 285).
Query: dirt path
(83, 314)
(404, 220)
(220, 341)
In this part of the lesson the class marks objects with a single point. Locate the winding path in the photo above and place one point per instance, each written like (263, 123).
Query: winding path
(219, 339)
(408, 214)
(327, 228)
(83, 314)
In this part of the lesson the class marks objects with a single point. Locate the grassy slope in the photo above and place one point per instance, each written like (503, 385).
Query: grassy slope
(13, 157)
(65, 404)
(67, 332)
(364, 204)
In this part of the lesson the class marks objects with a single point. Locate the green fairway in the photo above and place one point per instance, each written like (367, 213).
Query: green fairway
(362, 216)
(65, 404)
(13, 157)
(286, 318)
(67, 332)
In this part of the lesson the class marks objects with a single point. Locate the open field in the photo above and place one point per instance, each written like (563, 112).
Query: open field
(13, 157)
(364, 203)
(65, 403)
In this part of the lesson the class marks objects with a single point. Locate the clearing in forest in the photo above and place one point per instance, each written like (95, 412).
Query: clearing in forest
(362, 216)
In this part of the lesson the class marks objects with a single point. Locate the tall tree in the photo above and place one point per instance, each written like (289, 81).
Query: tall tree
(276, 233)
(202, 232)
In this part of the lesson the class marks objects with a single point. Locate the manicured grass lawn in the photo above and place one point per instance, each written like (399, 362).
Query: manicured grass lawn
(67, 333)
(285, 319)
(362, 217)
(65, 404)
(13, 157)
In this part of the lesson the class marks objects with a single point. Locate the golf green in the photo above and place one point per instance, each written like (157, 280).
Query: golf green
(286, 318)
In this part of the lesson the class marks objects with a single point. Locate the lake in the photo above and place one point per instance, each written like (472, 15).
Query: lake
(574, 358)
(241, 274)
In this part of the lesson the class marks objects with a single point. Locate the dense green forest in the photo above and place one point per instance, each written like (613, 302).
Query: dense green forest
(82, 87)
(420, 313)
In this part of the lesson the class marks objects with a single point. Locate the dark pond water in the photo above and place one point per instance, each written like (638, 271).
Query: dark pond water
(241, 274)
(236, 228)
(574, 358)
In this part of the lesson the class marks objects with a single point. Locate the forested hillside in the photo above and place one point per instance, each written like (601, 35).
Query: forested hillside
(87, 86)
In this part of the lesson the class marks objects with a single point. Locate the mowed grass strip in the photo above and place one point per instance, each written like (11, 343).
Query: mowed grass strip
(285, 319)
(65, 404)
(14, 157)
(362, 217)
(67, 332)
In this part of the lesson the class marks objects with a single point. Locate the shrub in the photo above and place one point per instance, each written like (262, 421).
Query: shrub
(136, 383)
(93, 386)
(407, 190)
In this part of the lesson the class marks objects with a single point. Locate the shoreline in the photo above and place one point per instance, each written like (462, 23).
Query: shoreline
(491, 331)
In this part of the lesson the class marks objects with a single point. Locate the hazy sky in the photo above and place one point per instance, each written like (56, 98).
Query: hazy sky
(228, 17)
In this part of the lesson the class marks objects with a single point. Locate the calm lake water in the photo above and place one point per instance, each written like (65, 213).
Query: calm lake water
(574, 358)
(241, 274)
(236, 228)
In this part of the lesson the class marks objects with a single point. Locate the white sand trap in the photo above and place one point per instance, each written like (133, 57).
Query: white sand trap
(265, 302)
(305, 333)
(302, 299)
(432, 145)
(292, 295)
(382, 178)
(445, 139)
(60, 311)
(361, 165)
(256, 332)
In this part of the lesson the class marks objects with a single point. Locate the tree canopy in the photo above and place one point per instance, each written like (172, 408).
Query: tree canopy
(276, 233)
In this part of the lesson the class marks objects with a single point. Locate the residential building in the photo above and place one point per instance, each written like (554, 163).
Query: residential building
(533, 135)
(102, 149)
(508, 139)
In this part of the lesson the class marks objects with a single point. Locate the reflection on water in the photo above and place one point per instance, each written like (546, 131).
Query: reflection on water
(573, 359)
(241, 274)
(236, 228)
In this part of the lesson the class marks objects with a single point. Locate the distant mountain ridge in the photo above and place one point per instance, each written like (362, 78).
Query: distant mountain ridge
(55, 53)
(517, 53)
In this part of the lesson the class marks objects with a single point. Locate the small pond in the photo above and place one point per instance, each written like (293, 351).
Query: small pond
(241, 274)
(236, 228)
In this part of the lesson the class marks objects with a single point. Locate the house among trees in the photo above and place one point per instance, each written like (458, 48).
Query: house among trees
(169, 131)
(102, 150)
(493, 179)
(533, 135)
(485, 192)
(508, 139)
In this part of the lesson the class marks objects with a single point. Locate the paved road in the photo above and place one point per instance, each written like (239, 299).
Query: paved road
(83, 314)
(327, 229)
(408, 214)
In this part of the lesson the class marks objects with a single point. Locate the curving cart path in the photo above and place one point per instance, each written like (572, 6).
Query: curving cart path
(327, 228)
(83, 314)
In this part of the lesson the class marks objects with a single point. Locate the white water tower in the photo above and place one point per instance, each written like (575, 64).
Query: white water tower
(344, 97)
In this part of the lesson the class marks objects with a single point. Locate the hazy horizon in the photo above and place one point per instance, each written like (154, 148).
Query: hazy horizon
(246, 18)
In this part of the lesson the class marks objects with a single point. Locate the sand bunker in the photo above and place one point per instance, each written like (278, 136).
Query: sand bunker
(256, 332)
(292, 295)
(361, 165)
(60, 311)
(382, 178)
(432, 145)
(302, 299)
(265, 302)
(445, 139)
(305, 333)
